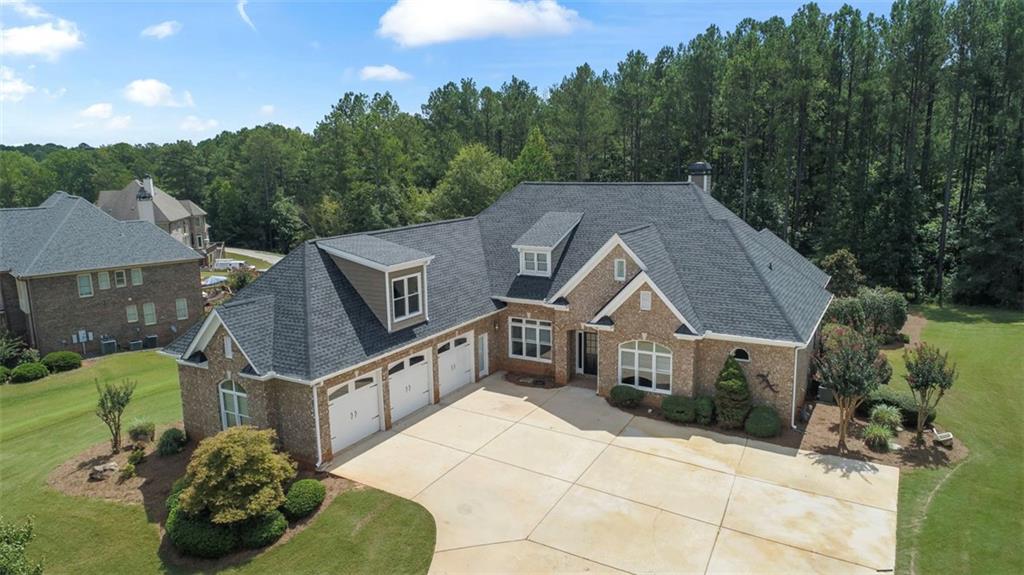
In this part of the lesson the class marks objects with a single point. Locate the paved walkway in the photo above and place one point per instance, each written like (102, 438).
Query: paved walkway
(265, 256)
(533, 480)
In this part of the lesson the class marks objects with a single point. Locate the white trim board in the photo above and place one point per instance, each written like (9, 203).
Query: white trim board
(372, 264)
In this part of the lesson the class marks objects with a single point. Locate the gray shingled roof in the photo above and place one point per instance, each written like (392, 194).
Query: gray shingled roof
(67, 234)
(303, 318)
(374, 249)
(123, 204)
(549, 230)
(192, 208)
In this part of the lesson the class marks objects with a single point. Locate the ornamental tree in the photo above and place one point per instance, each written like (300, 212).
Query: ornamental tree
(732, 395)
(852, 368)
(113, 400)
(929, 375)
(846, 277)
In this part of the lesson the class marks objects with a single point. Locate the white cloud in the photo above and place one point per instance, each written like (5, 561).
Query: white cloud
(49, 40)
(162, 30)
(385, 73)
(240, 6)
(151, 93)
(101, 110)
(421, 22)
(195, 124)
(27, 9)
(118, 122)
(267, 110)
(13, 88)
(54, 94)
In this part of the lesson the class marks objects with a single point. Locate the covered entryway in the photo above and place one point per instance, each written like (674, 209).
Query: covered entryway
(455, 363)
(586, 352)
(410, 384)
(354, 411)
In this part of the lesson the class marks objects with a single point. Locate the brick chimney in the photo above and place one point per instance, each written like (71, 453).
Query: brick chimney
(700, 175)
(144, 198)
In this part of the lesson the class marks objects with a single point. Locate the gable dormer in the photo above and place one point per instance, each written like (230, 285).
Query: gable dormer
(391, 278)
(541, 246)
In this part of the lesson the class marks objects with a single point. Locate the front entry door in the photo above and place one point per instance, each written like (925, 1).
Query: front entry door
(586, 353)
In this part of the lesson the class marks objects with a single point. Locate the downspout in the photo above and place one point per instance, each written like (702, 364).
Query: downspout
(316, 422)
(792, 415)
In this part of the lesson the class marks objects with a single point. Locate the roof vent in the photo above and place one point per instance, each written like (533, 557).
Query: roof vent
(700, 175)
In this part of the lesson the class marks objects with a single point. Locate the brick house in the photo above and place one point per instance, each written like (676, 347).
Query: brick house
(74, 278)
(648, 285)
(142, 200)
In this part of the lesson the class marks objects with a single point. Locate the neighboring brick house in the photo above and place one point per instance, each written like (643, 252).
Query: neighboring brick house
(141, 200)
(649, 285)
(74, 278)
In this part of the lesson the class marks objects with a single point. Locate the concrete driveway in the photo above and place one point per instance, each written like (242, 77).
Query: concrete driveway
(532, 480)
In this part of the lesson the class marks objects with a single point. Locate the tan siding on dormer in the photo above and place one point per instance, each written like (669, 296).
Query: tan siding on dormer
(371, 285)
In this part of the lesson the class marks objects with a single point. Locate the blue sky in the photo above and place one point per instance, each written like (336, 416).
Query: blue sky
(108, 72)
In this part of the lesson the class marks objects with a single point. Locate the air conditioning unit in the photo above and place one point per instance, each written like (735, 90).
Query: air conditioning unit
(108, 346)
(135, 345)
(150, 342)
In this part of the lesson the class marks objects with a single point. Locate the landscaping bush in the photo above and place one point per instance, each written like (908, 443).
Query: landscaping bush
(128, 471)
(262, 531)
(732, 395)
(304, 496)
(198, 536)
(846, 311)
(5, 374)
(877, 437)
(58, 361)
(705, 407)
(14, 539)
(679, 409)
(885, 311)
(11, 348)
(28, 372)
(136, 457)
(887, 415)
(625, 396)
(906, 403)
(176, 489)
(142, 430)
(171, 441)
(763, 422)
(236, 475)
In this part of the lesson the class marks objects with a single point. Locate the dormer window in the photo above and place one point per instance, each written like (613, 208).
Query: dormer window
(535, 263)
(405, 297)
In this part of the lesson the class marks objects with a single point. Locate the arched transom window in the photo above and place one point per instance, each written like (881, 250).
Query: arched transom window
(234, 405)
(645, 365)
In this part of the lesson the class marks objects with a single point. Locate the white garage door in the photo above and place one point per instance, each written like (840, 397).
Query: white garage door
(410, 385)
(455, 363)
(355, 411)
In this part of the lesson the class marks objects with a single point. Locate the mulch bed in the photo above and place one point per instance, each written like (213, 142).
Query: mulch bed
(151, 486)
(527, 380)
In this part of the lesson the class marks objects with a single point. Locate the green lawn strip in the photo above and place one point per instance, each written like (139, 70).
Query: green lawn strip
(973, 521)
(260, 264)
(44, 423)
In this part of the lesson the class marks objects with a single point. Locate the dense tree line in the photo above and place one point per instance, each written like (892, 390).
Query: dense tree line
(899, 137)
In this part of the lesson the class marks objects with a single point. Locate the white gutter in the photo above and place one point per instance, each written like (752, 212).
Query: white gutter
(316, 422)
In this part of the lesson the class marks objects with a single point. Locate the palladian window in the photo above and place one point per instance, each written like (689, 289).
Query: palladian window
(645, 365)
(234, 405)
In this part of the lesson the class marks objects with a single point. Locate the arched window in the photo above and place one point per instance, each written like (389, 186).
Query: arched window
(234, 405)
(645, 365)
(741, 354)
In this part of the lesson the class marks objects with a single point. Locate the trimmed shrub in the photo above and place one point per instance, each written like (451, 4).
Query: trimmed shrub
(877, 437)
(128, 471)
(679, 409)
(625, 396)
(763, 422)
(732, 395)
(58, 361)
(28, 372)
(198, 537)
(136, 457)
(171, 441)
(176, 489)
(262, 531)
(902, 400)
(887, 415)
(304, 497)
(885, 311)
(846, 311)
(705, 409)
(5, 374)
(142, 430)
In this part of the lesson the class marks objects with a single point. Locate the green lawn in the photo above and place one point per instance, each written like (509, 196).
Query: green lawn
(974, 522)
(44, 423)
(260, 264)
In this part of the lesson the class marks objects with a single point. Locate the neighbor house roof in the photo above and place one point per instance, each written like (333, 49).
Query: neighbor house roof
(123, 204)
(67, 234)
(722, 276)
(192, 208)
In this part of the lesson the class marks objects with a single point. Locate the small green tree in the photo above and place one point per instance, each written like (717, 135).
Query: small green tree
(852, 368)
(13, 541)
(474, 179)
(239, 278)
(11, 349)
(113, 400)
(236, 475)
(929, 375)
(732, 395)
(535, 162)
(846, 277)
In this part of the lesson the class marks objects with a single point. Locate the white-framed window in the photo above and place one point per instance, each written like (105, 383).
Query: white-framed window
(149, 313)
(120, 278)
(741, 354)
(535, 263)
(646, 365)
(529, 339)
(103, 278)
(620, 270)
(234, 405)
(181, 308)
(645, 301)
(405, 297)
(85, 285)
(136, 276)
(132, 313)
